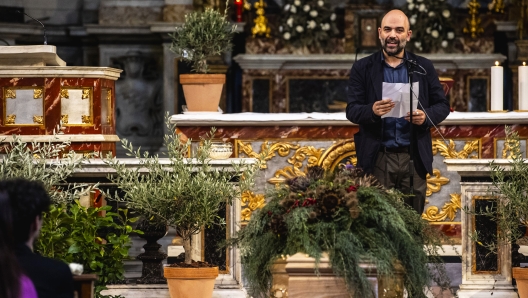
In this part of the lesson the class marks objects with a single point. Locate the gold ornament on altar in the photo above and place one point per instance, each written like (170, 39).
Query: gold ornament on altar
(261, 22)
(473, 23)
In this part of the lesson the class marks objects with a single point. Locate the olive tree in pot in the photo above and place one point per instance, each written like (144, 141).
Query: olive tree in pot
(185, 193)
(203, 35)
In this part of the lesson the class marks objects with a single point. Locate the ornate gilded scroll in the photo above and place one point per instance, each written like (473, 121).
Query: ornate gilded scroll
(10, 119)
(64, 93)
(64, 119)
(37, 93)
(470, 150)
(435, 182)
(509, 144)
(86, 119)
(85, 93)
(343, 151)
(10, 93)
(251, 202)
(261, 22)
(449, 210)
(38, 119)
(267, 151)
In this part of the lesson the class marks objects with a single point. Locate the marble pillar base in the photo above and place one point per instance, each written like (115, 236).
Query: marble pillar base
(162, 291)
(477, 291)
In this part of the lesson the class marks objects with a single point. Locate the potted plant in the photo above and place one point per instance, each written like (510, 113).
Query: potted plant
(202, 36)
(185, 193)
(347, 221)
(511, 208)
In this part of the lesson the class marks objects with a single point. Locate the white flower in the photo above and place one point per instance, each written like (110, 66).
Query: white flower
(297, 2)
(313, 13)
(299, 29)
(444, 43)
(289, 22)
(410, 6)
(421, 7)
(434, 34)
(311, 24)
(306, 7)
(325, 26)
(286, 36)
(417, 44)
(446, 13)
(412, 20)
(286, 7)
(280, 28)
(332, 17)
(293, 9)
(428, 30)
(409, 1)
(450, 35)
(431, 14)
(320, 3)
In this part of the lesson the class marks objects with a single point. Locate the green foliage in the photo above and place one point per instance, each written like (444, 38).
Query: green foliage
(182, 192)
(47, 162)
(203, 35)
(308, 23)
(76, 234)
(431, 24)
(510, 187)
(364, 223)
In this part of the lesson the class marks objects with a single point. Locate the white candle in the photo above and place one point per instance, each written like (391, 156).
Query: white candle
(523, 87)
(496, 87)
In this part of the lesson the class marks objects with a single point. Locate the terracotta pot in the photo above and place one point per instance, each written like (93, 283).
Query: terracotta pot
(191, 282)
(521, 277)
(202, 91)
(295, 277)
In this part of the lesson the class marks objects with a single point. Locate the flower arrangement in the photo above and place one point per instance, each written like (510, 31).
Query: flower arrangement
(431, 23)
(201, 36)
(348, 215)
(307, 23)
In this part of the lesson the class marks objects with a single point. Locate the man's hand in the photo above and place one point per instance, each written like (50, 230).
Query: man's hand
(382, 107)
(418, 117)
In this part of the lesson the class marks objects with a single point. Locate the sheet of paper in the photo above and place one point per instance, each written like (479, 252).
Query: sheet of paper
(399, 93)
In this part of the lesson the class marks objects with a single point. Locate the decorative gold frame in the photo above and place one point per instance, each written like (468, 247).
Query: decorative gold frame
(10, 93)
(87, 93)
(495, 153)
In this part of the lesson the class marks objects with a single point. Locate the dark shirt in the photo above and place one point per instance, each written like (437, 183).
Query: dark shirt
(51, 278)
(396, 131)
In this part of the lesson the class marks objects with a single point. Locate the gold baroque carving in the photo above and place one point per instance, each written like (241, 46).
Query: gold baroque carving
(64, 93)
(336, 153)
(470, 150)
(267, 151)
(38, 119)
(10, 93)
(509, 144)
(260, 26)
(306, 152)
(37, 93)
(64, 119)
(85, 93)
(251, 203)
(435, 182)
(10, 119)
(86, 119)
(449, 210)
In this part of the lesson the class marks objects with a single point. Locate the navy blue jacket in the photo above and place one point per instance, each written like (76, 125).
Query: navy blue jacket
(365, 87)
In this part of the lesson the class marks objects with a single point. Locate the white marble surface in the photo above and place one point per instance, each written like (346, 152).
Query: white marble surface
(316, 119)
(345, 61)
(8, 71)
(61, 138)
(474, 167)
(30, 55)
(162, 291)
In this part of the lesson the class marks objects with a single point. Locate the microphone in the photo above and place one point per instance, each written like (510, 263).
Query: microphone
(45, 37)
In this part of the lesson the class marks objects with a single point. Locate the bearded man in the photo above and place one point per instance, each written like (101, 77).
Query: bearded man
(383, 143)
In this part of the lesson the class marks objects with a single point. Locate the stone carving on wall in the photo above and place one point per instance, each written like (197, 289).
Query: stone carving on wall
(129, 15)
(176, 13)
(139, 103)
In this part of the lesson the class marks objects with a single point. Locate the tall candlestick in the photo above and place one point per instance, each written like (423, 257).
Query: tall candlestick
(497, 89)
(523, 87)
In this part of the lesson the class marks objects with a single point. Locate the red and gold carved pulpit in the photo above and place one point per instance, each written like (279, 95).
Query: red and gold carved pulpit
(39, 93)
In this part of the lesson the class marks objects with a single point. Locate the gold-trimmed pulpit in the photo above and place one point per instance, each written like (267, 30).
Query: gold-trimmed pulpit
(39, 93)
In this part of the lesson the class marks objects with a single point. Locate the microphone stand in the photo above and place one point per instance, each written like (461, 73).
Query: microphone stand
(410, 72)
